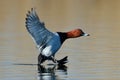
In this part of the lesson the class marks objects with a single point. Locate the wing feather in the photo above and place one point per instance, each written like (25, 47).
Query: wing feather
(37, 29)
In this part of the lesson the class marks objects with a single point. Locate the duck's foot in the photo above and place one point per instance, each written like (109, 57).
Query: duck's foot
(62, 61)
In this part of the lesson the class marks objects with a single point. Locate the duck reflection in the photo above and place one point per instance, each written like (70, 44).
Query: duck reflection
(52, 72)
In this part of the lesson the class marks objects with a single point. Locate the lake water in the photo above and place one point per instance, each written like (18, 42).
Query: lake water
(96, 57)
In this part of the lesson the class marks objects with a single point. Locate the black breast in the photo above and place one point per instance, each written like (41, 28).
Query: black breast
(63, 36)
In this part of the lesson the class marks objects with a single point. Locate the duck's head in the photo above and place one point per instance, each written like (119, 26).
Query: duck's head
(76, 33)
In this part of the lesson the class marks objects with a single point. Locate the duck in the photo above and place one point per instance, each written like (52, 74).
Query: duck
(47, 42)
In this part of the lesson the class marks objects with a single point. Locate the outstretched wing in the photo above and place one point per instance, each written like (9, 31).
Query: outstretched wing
(37, 29)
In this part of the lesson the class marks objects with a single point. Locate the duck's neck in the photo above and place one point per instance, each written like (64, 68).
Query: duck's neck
(63, 36)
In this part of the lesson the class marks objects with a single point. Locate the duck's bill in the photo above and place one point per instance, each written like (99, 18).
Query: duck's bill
(85, 34)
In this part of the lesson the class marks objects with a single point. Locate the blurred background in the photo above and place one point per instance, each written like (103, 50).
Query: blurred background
(96, 57)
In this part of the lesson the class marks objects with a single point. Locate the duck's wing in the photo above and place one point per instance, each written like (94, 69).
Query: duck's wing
(37, 29)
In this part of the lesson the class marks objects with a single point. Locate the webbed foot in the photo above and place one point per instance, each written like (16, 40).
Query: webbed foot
(62, 61)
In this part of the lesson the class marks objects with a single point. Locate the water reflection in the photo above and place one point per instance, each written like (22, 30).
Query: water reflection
(52, 72)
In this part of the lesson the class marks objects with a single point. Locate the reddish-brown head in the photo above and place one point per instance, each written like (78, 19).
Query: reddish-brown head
(76, 33)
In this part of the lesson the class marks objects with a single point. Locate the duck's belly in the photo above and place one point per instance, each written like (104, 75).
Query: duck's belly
(52, 46)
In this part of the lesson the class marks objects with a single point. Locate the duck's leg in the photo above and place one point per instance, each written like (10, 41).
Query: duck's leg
(41, 59)
(54, 60)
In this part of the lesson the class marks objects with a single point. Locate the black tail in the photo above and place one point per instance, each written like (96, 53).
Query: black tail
(41, 59)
